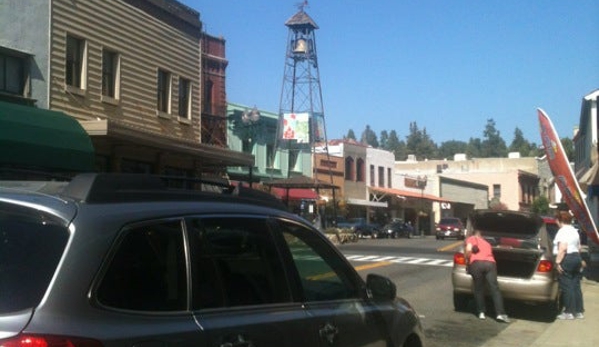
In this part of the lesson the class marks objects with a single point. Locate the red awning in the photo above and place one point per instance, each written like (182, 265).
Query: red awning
(407, 194)
(295, 193)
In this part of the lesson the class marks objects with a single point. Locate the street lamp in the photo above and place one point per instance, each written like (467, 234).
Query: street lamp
(249, 120)
(421, 183)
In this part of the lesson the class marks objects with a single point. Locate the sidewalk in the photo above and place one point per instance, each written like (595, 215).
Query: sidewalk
(572, 333)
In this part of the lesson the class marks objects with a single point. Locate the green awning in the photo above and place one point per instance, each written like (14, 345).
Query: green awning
(42, 139)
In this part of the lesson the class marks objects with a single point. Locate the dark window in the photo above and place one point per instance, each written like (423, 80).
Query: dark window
(13, 77)
(109, 73)
(349, 169)
(235, 263)
(372, 178)
(497, 190)
(164, 91)
(360, 170)
(31, 246)
(381, 176)
(208, 93)
(389, 178)
(270, 155)
(322, 274)
(184, 100)
(148, 270)
(74, 61)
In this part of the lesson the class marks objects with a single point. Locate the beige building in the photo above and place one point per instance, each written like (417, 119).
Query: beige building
(129, 71)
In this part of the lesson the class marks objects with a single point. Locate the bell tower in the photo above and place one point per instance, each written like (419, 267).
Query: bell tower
(301, 114)
(301, 123)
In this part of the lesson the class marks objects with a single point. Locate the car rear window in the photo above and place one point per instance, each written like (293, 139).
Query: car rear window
(31, 246)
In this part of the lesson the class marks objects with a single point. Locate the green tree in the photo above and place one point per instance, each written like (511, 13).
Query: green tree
(419, 143)
(393, 144)
(350, 135)
(383, 139)
(369, 137)
(493, 145)
(474, 148)
(521, 145)
(448, 149)
(568, 148)
(540, 205)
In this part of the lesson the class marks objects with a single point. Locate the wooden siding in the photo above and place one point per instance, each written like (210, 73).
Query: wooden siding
(145, 45)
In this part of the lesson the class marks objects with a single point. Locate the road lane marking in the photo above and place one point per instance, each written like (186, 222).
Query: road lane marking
(372, 266)
(450, 246)
(388, 260)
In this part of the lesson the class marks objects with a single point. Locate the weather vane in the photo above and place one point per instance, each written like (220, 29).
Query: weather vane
(302, 5)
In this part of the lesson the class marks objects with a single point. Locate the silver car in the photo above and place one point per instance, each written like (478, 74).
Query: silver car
(522, 248)
(121, 261)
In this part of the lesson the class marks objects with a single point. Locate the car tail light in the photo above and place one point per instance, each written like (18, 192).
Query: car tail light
(545, 266)
(48, 341)
(459, 259)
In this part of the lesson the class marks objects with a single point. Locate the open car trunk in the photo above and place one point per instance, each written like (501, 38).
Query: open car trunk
(519, 241)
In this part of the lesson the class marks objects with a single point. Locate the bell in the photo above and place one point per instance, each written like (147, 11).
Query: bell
(300, 46)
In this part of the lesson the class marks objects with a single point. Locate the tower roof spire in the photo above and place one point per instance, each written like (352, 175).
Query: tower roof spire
(301, 19)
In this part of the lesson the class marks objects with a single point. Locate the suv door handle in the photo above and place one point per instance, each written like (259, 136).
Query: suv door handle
(238, 341)
(329, 332)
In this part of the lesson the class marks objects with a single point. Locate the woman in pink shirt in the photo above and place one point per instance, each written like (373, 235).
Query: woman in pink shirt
(483, 269)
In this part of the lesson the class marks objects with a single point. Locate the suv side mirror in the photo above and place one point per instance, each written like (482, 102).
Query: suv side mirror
(380, 287)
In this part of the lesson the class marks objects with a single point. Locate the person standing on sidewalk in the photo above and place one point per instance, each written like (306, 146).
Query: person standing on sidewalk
(483, 269)
(569, 266)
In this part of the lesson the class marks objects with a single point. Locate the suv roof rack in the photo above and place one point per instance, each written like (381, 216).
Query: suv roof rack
(98, 188)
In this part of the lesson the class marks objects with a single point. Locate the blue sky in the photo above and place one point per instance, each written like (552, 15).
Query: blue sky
(446, 65)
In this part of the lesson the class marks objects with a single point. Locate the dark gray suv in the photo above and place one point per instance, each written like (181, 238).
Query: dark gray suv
(121, 260)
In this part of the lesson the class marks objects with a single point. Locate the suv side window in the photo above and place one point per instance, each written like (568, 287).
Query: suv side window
(148, 270)
(323, 274)
(235, 263)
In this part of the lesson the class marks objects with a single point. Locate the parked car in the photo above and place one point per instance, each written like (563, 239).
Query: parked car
(396, 229)
(449, 227)
(121, 260)
(360, 227)
(522, 248)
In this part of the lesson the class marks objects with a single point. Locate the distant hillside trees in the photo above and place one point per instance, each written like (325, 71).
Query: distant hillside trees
(418, 143)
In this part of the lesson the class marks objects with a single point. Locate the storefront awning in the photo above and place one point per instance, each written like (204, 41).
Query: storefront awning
(295, 193)
(42, 139)
(123, 134)
(406, 194)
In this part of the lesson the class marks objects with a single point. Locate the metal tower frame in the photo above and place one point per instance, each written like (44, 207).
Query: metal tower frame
(301, 92)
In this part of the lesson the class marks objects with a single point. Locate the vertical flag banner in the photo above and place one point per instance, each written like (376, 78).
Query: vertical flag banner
(296, 126)
(318, 131)
(564, 177)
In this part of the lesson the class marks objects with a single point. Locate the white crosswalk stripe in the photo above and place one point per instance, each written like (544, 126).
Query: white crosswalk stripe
(401, 260)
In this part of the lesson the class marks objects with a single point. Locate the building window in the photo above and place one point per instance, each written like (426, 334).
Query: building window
(184, 98)
(293, 156)
(110, 74)
(76, 69)
(164, 91)
(207, 102)
(349, 169)
(381, 176)
(270, 155)
(389, 178)
(372, 180)
(13, 75)
(360, 170)
(497, 191)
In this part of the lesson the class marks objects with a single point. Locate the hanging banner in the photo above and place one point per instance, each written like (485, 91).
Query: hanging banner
(565, 178)
(318, 131)
(296, 126)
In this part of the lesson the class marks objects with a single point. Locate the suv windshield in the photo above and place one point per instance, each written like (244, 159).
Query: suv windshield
(30, 249)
